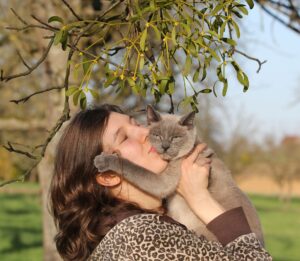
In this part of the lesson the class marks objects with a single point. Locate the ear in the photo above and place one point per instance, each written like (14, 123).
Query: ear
(188, 120)
(152, 115)
(108, 179)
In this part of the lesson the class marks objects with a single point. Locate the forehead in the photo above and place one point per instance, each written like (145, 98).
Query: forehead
(115, 121)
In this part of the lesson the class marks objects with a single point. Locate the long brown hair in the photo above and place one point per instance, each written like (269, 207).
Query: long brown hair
(83, 210)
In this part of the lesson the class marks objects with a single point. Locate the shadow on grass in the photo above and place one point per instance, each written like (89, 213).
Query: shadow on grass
(16, 244)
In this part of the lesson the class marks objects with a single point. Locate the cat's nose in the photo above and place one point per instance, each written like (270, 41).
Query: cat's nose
(165, 145)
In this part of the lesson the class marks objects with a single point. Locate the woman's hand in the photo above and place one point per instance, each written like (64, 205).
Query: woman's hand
(194, 176)
(193, 186)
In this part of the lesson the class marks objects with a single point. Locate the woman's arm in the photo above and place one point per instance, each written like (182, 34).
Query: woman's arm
(193, 186)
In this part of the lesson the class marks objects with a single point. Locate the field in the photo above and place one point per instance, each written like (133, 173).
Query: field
(21, 226)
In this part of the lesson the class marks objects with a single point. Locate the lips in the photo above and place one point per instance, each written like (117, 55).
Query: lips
(152, 149)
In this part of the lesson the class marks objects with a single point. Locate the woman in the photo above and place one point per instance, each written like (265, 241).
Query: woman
(101, 216)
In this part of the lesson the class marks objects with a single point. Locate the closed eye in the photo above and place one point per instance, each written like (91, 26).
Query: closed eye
(176, 137)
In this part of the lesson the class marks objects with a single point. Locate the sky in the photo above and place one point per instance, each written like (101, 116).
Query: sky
(271, 99)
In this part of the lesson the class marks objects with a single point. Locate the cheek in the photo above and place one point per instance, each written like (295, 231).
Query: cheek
(131, 151)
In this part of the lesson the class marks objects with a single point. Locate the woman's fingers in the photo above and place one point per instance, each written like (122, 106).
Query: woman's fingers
(203, 161)
(194, 155)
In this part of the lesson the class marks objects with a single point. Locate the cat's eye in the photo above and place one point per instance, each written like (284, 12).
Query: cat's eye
(155, 136)
(176, 137)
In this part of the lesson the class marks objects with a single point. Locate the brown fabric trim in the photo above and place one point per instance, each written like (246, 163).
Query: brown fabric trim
(229, 225)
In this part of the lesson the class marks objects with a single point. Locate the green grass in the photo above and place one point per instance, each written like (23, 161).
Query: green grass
(21, 226)
(281, 225)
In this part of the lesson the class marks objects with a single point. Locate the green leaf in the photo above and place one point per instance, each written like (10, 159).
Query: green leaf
(143, 40)
(222, 29)
(214, 54)
(236, 28)
(157, 33)
(187, 65)
(55, 19)
(171, 87)
(187, 100)
(206, 91)
(94, 93)
(243, 10)
(71, 90)
(173, 36)
(86, 63)
(235, 66)
(186, 29)
(237, 14)
(76, 96)
(131, 82)
(109, 81)
(250, 3)
(192, 48)
(141, 62)
(204, 73)
(229, 41)
(82, 100)
(225, 87)
(152, 5)
(64, 39)
(57, 37)
(217, 9)
(196, 75)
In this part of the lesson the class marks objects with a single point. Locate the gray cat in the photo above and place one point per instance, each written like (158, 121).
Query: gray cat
(174, 137)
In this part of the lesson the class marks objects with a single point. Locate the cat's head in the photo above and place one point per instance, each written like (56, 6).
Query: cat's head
(172, 136)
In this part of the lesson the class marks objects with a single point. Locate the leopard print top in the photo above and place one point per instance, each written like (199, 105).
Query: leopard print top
(149, 237)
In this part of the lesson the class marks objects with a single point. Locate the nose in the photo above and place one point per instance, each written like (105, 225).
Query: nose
(165, 145)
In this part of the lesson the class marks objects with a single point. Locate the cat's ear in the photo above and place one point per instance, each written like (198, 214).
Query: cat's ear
(188, 120)
(152, 115)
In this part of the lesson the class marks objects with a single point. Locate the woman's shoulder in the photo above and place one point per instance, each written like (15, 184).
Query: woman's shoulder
(138, 229)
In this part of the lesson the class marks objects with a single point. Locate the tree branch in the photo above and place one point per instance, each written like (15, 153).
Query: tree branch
(22, 177)
(27, 27)
(10, 148)
(19, 17)
(251, 58)
(72, 10)
(23, 61)
(45, 24)
(31, 69)
(25, 99)
(291, 8)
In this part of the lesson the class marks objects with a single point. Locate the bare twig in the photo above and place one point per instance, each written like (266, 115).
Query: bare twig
(110, 8)
(72, 10)
(25, 99)
(19, 17)
(22, 59)
(27, 27)
(45, 24)
(252, 58)
(22, 177)
(171, 110)
(10, 148)
(31, 69)
(292, 11)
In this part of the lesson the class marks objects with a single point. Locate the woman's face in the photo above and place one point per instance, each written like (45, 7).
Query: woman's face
(125, 136)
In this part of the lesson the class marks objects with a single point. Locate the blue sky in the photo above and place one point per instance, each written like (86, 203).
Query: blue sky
(272, 91)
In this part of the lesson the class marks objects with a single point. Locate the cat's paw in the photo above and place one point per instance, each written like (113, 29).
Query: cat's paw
(102, 161)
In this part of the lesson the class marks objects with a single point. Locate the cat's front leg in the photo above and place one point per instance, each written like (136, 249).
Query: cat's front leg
(105, 162)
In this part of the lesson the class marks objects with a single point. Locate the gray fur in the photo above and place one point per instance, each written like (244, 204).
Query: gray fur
(175, 137)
